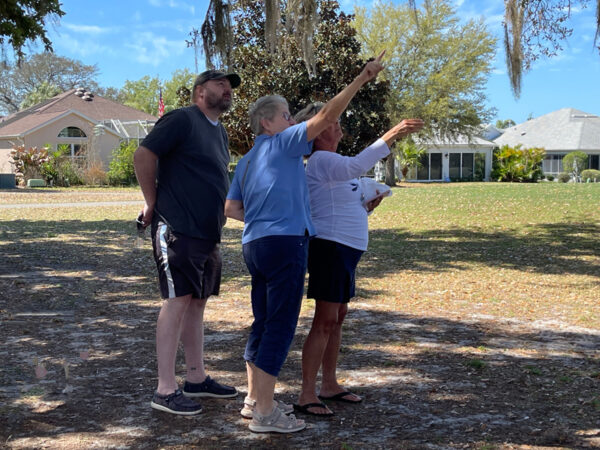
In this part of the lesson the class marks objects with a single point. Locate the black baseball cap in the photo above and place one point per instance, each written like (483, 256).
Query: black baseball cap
(233, 78)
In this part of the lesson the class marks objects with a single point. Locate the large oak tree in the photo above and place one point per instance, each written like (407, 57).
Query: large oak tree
(437, 66)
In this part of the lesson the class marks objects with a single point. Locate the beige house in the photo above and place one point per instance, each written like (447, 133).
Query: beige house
(89, 126)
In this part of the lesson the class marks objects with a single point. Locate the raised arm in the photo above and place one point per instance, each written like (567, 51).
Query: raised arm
(335, 167)
(334, 108)
(404, 128)
(144, 162)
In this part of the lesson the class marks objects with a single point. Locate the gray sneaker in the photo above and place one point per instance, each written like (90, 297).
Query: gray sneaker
(276, 422)
(175, 403)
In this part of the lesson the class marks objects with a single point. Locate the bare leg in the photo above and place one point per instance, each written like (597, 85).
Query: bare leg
(329, 384)
(250, 372)
(263, 386)
(324, 324)
(168, 332)
(192, 337)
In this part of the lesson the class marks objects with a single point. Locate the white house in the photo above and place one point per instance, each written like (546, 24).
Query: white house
(454, 160)
(559, 132)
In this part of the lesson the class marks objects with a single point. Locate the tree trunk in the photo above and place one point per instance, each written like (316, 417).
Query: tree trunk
(390, 175)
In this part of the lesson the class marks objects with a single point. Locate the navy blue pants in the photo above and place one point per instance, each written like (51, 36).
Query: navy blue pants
(278, 266)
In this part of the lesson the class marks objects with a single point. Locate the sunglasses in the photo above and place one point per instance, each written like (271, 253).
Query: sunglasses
(287, 116)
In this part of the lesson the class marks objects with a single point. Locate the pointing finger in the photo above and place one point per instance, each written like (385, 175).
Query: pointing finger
(380, 57)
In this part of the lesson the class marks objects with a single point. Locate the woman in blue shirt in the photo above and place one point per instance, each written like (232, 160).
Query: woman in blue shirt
(269, 193)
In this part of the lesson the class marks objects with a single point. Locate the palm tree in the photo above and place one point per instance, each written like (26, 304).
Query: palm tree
(408, 154)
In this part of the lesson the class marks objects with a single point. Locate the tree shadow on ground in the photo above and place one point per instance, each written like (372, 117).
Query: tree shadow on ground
(563, 248)
(426, 381)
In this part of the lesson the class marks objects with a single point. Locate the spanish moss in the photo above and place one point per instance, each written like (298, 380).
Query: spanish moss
(216, 35)
(513, 30)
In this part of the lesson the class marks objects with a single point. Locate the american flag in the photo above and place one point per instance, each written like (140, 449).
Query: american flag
(161, 105)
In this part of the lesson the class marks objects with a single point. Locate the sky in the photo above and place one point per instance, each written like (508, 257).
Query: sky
(130, 39)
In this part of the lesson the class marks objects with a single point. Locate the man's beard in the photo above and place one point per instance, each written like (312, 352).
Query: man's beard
(219, 103)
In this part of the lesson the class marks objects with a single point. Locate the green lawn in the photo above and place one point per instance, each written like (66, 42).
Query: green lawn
(514, 250)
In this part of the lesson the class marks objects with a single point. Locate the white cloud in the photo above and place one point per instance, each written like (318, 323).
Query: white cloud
(173, 4)
(82, 48)
(153, 49)
(87, 29)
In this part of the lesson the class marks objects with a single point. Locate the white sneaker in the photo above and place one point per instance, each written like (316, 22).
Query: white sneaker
(276, 422)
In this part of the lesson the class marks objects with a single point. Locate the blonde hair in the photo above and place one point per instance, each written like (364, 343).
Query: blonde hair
(308, 112)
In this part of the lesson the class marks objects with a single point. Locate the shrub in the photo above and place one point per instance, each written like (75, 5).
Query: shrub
(95, 174)
(517, 164)
(28, 162)
(590, 174)
(550, 177)
(564, 177)
(121, 170)
(575, 162)
(60, 170)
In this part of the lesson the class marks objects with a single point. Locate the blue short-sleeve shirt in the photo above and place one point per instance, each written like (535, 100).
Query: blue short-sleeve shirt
(270, 182)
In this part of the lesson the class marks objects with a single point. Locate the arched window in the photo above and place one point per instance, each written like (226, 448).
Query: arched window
(71, 132)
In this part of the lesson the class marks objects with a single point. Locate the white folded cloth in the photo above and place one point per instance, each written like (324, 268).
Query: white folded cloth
(370, 189)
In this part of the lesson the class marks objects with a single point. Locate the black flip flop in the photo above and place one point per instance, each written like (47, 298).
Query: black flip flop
(304, 409)
(341, 397)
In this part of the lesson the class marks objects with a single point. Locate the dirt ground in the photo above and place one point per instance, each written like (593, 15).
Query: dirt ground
(78, 364)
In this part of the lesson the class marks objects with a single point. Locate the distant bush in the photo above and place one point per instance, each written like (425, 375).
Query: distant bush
(591, 174)
(28, 162)
(550, 177)
(60, 170)
(564, 177)
(121, 171)
(518, 164)
(95, 174)
(575, 162)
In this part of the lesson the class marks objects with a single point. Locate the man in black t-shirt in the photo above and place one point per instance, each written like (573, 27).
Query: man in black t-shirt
(182, 170)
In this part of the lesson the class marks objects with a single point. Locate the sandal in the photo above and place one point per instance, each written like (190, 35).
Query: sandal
(341, 397)
(276, 422)
(249, 404)
(304, 409)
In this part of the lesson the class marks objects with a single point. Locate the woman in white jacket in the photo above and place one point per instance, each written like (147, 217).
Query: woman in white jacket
(339, 213)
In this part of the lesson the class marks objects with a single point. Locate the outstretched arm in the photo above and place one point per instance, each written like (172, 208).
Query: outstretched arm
(404, 128)
(334, 108)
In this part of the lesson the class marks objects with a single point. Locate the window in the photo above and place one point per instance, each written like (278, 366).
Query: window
(479, 174)
(594, 162)
(463, 166)
(436, 166)
(423, 169)
(552, 163)
(71, 132)
(454, 172)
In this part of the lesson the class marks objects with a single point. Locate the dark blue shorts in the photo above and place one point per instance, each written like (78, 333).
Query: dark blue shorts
(278, 267)
(186, 265)
(331, 271)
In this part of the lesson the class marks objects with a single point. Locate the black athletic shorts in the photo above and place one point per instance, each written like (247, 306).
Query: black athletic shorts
(331, 271)
(186, 265)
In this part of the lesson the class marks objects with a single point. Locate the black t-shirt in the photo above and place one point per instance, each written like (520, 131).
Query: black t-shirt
(192, 180)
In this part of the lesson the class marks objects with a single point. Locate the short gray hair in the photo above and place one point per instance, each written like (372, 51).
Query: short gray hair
(308, 112)
(264, 108)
